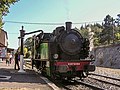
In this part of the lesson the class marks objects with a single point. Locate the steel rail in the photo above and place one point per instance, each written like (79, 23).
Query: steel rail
(118, 79)
(104, 81)
(90, 85)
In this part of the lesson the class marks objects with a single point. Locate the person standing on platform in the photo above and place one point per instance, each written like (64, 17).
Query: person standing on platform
(8, 59)
(17, 60)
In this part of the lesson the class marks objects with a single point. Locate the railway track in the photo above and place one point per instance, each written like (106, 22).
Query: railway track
(103, 81)
(106, 82)
(79, 85)
(106, 79)
(75, 82)
(90, 83)
(97, 83)
(94, 74)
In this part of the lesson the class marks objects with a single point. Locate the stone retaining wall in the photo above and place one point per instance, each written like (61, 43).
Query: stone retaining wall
(108, 56)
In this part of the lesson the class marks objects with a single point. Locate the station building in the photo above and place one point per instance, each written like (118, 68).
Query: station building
(3, 43)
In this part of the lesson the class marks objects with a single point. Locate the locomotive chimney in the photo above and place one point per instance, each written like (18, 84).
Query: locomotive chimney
(68, 26)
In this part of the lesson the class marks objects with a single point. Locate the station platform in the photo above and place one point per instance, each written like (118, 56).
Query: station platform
(11, 79)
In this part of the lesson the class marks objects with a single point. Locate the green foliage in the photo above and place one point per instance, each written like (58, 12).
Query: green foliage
(117, 35)
(96, 29)
(1, 23)
(118, 20)
(4, 8)
(84, 32)
(96, 41)
(107, 33)
(28, 43)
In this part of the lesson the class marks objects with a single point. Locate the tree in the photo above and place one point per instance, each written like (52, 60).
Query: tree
(117, 29)
(118, 20)
(107, 33)
(4, 8)
(97, 29)
(117, 35)
(28, 44)
(84, 31)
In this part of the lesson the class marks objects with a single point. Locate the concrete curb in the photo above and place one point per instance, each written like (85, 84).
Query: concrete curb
(54, 87)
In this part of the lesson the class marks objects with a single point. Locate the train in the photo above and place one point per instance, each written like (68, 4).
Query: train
(62, 54)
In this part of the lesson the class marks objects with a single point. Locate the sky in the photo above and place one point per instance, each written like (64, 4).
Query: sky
(54, 11)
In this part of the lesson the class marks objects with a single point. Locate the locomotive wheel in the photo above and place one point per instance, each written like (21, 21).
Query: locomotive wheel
(56, 77)
(37, 64)
(69, 78)
(53, 77)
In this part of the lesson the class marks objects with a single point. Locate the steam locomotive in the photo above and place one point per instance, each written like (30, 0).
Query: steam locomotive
(62, 54)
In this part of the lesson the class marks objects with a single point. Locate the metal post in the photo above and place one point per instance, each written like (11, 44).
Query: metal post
(21, 51)
(19, 42)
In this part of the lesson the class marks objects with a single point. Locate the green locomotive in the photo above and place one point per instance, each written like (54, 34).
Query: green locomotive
(62, 53)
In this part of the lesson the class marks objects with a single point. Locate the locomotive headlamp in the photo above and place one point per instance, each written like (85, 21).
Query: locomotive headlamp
(55, 56)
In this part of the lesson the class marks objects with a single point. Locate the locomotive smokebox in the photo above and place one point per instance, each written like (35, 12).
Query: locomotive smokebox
(68, 26)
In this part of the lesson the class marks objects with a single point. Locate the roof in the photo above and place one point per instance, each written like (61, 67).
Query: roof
(4, 32)
(10, 49)
(3, 38)
(2, 45)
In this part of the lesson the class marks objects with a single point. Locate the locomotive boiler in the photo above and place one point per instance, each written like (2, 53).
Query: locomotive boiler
(62, 53)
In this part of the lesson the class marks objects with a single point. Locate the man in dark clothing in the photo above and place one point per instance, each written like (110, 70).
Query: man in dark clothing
(16, 60)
